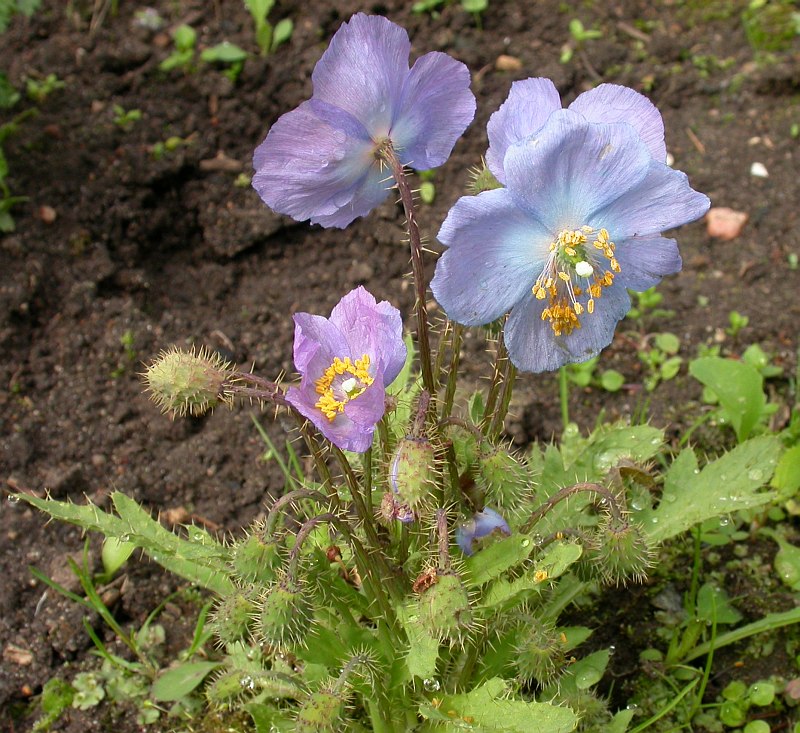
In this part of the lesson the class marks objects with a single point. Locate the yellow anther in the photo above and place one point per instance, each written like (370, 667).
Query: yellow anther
(590, 306)
(615, 265)
(563, 276)
(578, 308)
(571, 252)
(329, 403)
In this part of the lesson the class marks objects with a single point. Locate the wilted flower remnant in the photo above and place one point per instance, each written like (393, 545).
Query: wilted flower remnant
(579, 221)
(482, 524)
(321, 161)
(346, 363)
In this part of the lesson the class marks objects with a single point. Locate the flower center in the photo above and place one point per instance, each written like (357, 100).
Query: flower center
(341, 382)
(576, 256)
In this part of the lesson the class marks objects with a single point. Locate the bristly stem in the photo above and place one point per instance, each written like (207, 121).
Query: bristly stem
(501, 357)
(293, 496)
(443, 537)
(609, 501)
(456, 337)
(388, 154)
(509, 376)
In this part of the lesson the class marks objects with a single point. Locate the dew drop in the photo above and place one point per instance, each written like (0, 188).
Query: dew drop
(538, 540)
(724, 522)
(431, 684)
(696, 471)
(637, 504)
(755, 474)
(632, 706)
(669, 498)
(612, 650)
(125, 538)
(484, 284)
(413, 619)
(525, 543)
(653, 520)
(247, 683)
(13, 499)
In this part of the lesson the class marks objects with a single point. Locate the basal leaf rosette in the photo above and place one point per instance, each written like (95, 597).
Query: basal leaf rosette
(578, 223)
(321, 161)
(346, 362)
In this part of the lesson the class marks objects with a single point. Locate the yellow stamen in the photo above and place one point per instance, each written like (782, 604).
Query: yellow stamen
(336, 393)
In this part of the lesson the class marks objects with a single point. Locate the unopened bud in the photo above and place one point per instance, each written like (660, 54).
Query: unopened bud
(504, 480)
(444, 608)
(482, 179)
(255, 561)
(233, 617)
(541, 653)
(182, 382)
(483, 524)
(285, 614)
(412, 471)
(619, 551)
(320, 712)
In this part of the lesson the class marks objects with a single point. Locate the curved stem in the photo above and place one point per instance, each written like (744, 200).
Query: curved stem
(285, 500)
(602, 491)
(388, 155)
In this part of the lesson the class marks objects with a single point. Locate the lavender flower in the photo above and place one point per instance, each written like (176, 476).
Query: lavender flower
(481, 525)
(578, 223)
(531, 102)
(321, 160)
(346, 362)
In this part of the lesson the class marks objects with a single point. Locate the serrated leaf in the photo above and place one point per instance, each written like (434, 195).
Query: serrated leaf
(177, 682)
(726, 485)
(488, 708)
(490, 562)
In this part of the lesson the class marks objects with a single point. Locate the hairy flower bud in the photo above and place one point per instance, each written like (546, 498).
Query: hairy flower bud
(255, 561)
(619, 551)
(232, 617)
(321, 712)
(444, 608)
(541, 653)
(504, 480)
(285, 614)
(182, 382)
(412, 471)
(481, 179)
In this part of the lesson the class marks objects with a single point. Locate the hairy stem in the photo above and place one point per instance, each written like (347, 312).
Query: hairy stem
(389, 156)
(608, 498)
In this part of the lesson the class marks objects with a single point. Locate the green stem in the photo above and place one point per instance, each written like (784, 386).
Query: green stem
(509, 376)
(388, 154)
(275, 510)
(608, 497)
(368, 481)
(501, 355)
(457, 336)
(563, 394)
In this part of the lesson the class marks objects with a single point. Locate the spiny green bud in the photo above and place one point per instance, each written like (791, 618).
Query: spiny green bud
(233, 617)
(504, 480)
(444, 608)
(412, 471)
(541, 653)
(285, 613)
(227, 688)
(255, 561)
(321, 712)
(619, 551)
(182, 382)
(481, 179)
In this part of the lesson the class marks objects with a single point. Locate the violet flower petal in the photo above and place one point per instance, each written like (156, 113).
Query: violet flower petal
(615, 103)
(529, 104)
(495, 250)
(363, 70)
(436, 107)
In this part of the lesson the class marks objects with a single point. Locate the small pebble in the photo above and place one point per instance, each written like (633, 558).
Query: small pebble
(724, 223)
(505, 62)
(759, 170)
(47, 214)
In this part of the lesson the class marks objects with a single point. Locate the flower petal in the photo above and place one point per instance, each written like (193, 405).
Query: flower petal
(533, 347)
(436, 107)
(316, 336)
(572, 168)
(363, 70)
(661, 200)
(615, 103)
(368, 408)
(310, 168)
(495, 253)
(645, 260)
(341, 431)
(372, 328)
(529, 105)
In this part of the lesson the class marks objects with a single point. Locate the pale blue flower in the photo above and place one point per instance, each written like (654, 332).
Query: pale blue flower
(578, 223)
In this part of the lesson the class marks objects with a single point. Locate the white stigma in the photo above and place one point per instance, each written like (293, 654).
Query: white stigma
(583, 269)
(350, 385)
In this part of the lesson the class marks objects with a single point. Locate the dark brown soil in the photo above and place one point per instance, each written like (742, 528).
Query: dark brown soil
(155, 252)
